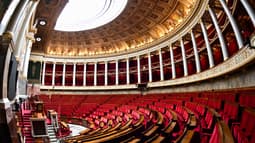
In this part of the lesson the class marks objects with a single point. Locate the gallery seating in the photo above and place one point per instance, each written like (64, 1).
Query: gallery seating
(163, 117)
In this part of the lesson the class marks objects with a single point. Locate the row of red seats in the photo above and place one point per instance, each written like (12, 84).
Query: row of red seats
(231, 112)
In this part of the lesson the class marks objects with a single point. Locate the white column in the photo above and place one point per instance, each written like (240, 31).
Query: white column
(117, 72)
(172, 61)
(138, 70)
(233, 24)
(207, 44)
(161, 65)
(149, 65)
(21, 57)
(26, 58)
(127, 72)
(249, 10)
(53, 73)
(12, 15)
(6, 56)
(184, 60)
(23, 29)
(74, 73)
(95, 74)
(84, 74)
(43, 74)
(198, 67)
(64, 74)
(218, 30)
(19, 17)
(105, 73)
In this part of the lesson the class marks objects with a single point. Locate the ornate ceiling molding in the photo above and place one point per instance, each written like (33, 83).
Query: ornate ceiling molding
(141, 25)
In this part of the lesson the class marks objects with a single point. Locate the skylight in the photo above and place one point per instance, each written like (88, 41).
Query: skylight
(79, 15)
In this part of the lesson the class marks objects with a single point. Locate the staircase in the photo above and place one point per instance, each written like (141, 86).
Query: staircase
(26, 131)
(52, 135)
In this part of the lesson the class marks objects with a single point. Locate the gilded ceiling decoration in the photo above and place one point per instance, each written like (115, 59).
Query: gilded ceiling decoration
(141, 22)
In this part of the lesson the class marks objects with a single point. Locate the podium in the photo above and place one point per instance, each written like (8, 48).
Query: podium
(39, 127)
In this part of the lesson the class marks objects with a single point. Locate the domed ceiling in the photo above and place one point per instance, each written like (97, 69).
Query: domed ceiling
(142, 22)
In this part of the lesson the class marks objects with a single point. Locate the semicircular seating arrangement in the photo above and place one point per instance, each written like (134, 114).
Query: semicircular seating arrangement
(205, 117)
(170, 71)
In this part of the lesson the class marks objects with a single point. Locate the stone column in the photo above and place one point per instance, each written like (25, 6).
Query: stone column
(95, 74)
(53, 74)
(6, 45)
(84, 74)
(105, 73)
(184, 60)
(218, 30)
(22, 31)
(249, 10)
(149, 66)
(207, 44)
(74, 73)
(8, 128)
(127, 72)
(12, 15)
(138, 70)
(43, 74)
(198, 67)
(161, 65)
(64, 74)
(172, 61)
(117, 72)
(30, 40)
(233, 24)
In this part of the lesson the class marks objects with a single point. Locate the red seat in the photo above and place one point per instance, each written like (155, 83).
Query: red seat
(215, 138)
(207, 123)
(215, 104)
(201, 110)
(247, 100)
(231, 112)
(244, 130)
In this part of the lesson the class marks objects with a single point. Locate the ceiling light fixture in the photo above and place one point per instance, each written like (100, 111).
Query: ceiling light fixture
(42, 22)
(38, 39)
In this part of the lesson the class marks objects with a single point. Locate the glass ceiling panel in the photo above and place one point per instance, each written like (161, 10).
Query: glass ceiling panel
(80, 15)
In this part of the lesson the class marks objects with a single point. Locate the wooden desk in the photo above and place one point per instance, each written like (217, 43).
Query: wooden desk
(151, 131)
(193, 121)
(170, 128)
(188, 136)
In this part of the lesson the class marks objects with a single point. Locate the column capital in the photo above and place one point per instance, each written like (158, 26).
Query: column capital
(8, 36)
(201, 21)
(30, 36)
(33, 30)
(191, 31)
(7, 40)
(207, 7)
